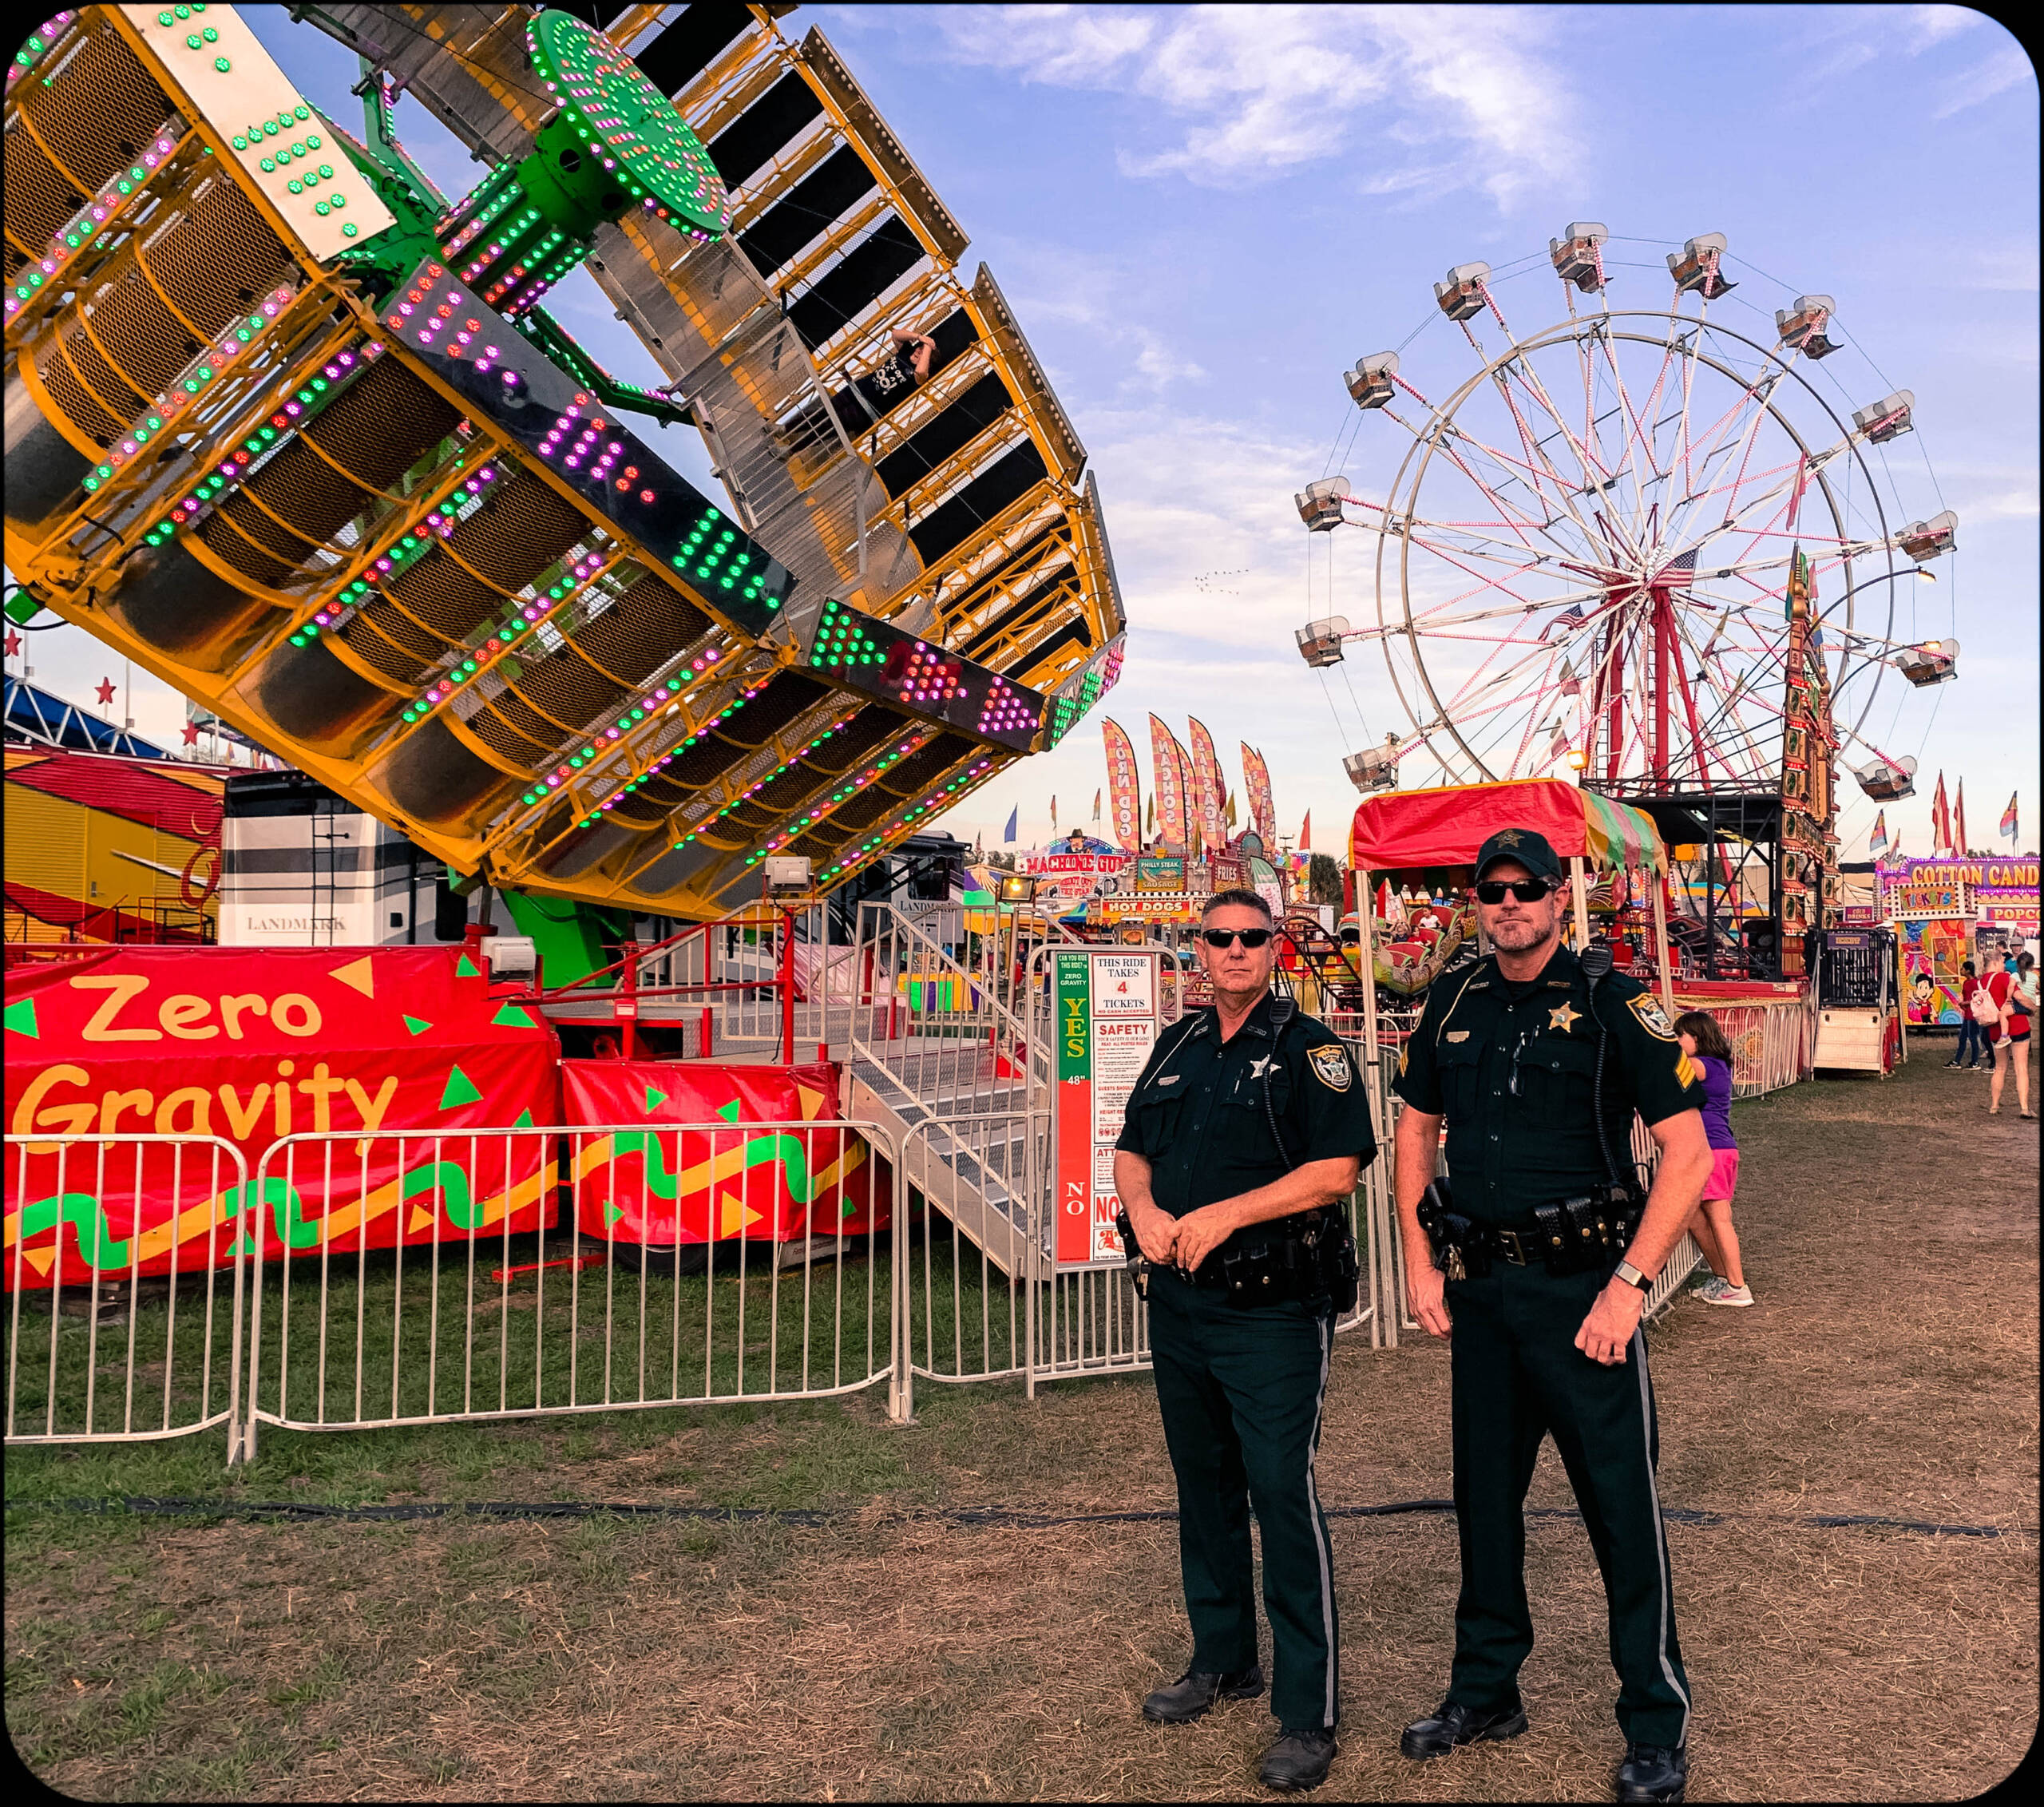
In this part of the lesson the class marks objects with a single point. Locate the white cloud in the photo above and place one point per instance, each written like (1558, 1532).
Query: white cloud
(1993, 75)
(1257, 91)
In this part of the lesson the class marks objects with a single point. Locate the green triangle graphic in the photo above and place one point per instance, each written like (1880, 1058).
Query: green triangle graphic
(511, 1017)
(21, 1019)
(729, 1113)
(417, 1025)
(654, 1095)
(465, 968)
(612, 1214)
(525, 1121)
(461, 1089)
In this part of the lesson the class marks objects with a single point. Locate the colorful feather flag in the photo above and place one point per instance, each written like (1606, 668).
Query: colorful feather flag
(1877, 839)
(1305, 832)
(1256, 788)
(1171, 793)
(2008, 818)
(1096, 805)
(1940, 819)
(1206, 787)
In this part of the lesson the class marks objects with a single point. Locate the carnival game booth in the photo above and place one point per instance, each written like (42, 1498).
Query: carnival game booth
(1433, 836)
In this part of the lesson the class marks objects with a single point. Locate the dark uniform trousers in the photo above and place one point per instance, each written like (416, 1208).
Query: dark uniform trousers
(1241, 1390)
(1517, 1375)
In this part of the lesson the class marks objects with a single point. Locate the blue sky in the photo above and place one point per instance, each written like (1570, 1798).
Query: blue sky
(1202, 216)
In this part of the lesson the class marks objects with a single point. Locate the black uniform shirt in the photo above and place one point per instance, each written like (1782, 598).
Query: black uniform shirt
(1196, 1115)
(1514, 1075)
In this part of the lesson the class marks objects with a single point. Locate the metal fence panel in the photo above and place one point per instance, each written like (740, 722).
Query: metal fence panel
(125, 1325)
(656, 1264)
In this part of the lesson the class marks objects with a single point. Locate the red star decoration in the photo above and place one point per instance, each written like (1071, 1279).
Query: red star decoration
(13, 642)
(106, 688)
(191, 734)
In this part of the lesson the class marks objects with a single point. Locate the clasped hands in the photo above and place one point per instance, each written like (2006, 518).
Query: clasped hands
(1183, 1243)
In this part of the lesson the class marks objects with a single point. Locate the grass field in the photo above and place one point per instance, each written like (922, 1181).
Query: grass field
(887, 1651)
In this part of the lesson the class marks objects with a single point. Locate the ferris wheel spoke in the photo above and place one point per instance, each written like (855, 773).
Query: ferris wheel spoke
(1494, 494)
(1565, 492)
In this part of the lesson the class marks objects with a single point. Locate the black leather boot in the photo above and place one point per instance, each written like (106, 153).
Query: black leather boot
(1195, 1692)
(1298, 1760)
(1455, 1723)
(1654, 1772)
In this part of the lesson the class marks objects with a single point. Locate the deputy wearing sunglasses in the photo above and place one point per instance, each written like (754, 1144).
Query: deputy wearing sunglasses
(1242, 1145)
(1548, 1254)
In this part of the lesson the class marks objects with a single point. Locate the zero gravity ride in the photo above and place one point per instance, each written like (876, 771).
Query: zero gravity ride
(1654, 545)
(296, 433)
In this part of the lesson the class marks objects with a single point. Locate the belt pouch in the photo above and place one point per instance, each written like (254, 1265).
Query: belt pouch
(1556, 1241)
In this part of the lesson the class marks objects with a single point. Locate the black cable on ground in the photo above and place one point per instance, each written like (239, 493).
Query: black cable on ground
(813, 1517)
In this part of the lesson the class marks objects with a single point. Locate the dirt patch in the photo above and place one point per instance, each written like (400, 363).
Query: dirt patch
(1891, 1369)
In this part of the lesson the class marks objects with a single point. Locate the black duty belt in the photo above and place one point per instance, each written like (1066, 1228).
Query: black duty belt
(1571, 1236)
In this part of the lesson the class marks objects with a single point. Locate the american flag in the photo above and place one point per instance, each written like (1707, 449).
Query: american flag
(1570, 617)
(1686, 562)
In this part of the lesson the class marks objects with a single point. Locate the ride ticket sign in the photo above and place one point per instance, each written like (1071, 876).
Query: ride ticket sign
(1106, 1002)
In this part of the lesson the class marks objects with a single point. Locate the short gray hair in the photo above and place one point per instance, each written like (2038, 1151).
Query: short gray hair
(1240, 898)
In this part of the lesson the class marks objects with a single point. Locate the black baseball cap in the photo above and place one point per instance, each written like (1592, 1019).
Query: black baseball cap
(1523, 845)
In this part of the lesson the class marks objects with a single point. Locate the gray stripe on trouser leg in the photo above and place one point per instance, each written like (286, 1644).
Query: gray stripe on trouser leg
(1319, 1530)
(1660, 1530)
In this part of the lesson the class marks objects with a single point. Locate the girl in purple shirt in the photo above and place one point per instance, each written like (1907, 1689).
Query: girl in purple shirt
(1703, 1042)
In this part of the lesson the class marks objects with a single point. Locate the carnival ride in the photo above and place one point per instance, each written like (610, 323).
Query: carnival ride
(294, 432)
(1651, 546)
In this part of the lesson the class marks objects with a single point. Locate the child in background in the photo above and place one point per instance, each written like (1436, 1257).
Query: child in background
(1703, 1042)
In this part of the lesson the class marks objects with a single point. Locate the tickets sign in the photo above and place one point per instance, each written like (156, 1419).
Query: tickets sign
(1107, 1005)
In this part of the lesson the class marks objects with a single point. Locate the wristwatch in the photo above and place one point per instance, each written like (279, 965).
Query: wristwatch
(1632, 1276)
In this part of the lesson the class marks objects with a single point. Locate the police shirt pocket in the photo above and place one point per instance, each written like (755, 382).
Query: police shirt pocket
(1154, 1116)
(1559, 1074)
(1457, 1061)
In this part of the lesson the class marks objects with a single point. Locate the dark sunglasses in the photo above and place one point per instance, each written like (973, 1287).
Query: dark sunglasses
(1227, 937)
(1527, 890)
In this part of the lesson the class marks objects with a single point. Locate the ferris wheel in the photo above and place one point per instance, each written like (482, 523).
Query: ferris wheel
(1593, 551)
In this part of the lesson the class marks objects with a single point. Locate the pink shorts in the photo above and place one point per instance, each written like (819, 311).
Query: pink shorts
(1724, 1180)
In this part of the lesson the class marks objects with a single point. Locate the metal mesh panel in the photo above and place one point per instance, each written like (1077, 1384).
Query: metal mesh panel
(100, 378)
(573, 686)
(99, 107)
(512, 537)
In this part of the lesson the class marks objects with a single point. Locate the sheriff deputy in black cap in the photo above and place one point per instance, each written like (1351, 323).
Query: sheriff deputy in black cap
(1538, 1250)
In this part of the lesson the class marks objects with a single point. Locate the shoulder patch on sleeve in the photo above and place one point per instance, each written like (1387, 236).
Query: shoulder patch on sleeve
(1330, 1066)
(1651, 1017)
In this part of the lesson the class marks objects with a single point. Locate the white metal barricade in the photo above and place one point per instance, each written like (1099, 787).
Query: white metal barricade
(124, 1259)
(497, 1273)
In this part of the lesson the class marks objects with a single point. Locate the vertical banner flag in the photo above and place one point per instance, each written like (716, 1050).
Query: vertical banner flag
(1960, 846)
(1877, 839)
(2008, 821)
(1007, 833)
(1305, 832)
(1940, 820)
(1262, 806)
(1053, 813)
(1096, 805)
(1165, 766)
(1206, 786)
(1185, 790)
(1228, 810)
(1124, 787)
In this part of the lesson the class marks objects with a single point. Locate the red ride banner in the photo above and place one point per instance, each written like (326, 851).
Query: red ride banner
(777, 1183)
(251, 1045)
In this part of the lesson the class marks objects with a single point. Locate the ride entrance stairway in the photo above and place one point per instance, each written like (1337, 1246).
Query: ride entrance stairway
(947, 1047)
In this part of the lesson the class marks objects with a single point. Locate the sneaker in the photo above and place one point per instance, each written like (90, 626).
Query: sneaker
(1708, 1286)
(1723, 1293)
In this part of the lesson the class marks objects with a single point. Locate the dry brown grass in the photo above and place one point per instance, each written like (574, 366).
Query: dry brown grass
(1891, 1368)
